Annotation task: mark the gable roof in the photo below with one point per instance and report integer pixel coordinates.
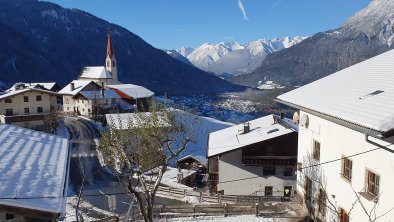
(128, 91)
(95, 72)
(261, 129)
(108, 94)
(200, 159)
(79, 85)
(16, 92)
(42, 85)
(33, 165)
(125, 121)
(361, 94)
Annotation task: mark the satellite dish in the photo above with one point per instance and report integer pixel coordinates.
(304, 122)
(296, 118)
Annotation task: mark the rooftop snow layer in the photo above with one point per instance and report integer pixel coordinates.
(233, 138)
(33, 167)
(133, 120)
(361, 94)
(78, 86)
(199, 158)
(16, 92)
(95, 72)
(108, 94)
(133, 91)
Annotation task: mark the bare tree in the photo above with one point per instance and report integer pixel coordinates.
(51, 120)
(139, 151)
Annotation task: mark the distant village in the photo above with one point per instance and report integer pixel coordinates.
(330, 162)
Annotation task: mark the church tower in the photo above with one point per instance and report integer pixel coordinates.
(110, 61)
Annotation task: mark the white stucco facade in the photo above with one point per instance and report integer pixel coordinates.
(235, 178)
(337, 142)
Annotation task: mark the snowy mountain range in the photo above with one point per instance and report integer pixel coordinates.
(234, 58)
(368, 33)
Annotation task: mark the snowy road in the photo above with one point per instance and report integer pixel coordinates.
(98, 182)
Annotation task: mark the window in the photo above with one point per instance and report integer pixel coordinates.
(25, 99)
(373, 183)
(38, 98)
(8, 100)
(268, 170)
(288, 171)
(344, 215)
(347, 168)
(268, 191)
(316, 150)
(322, 201)
(39, 109)
(27, 111)
(9, 112)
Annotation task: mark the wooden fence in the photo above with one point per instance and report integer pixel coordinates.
(189, 211)
(218, 198)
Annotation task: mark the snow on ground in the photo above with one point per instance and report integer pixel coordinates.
(62, 130)
(170, 178)
(238, 218)
(89, 212)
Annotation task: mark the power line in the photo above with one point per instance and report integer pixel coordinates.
(228, 181)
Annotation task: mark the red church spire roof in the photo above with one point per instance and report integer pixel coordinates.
(110, 50)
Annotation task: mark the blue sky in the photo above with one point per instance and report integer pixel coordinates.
(176, 23)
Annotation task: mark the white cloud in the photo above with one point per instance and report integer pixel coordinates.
(276, 4)
(242, 8)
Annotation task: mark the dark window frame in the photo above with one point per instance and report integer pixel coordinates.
(40, 109)
(26, 99)
(27, 109)
(347, 168)
(316, 150)
(38, 98)
(7, 100)
(373, 183)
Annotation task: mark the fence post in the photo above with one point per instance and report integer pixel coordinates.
(169, 191)
(200, 197)
(194, 211)
(256, 209)
(225, 210)
(184, 193)
(219, 195)
(160, 211)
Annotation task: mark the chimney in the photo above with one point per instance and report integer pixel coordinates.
(72, 85)
(246, 127)
(282, 115)
(102, 92)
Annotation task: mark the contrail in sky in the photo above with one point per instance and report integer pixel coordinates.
(242, 8)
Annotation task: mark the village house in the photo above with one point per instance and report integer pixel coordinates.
(33, 175)
(27, 105)
(72, 105)
(345, 142)
(254, 158)
(133, 94)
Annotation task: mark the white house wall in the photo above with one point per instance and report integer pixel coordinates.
(231, 169)
(336, 142)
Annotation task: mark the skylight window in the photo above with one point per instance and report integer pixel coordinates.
(374, 93)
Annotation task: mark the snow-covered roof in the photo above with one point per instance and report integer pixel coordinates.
(16, 92)
(95, 72)
(133, 91)
(133, 120)
(199, 158)
(21, 85)
(261, 129)
(79, 85)
(108, 94)
(361, 94)
(33, 169)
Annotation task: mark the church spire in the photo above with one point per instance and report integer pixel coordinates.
(110, 50)
(110, 61)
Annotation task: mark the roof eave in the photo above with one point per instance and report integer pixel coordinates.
(342, 122)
